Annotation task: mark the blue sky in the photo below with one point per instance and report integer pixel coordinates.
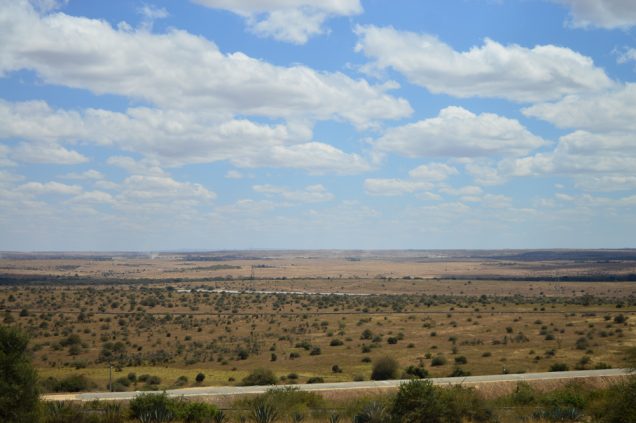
(233, 124)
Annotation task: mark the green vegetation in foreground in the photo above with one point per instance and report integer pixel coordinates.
(416, 401)
(18, 379)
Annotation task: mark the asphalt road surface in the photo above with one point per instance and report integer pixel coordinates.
(241, 390)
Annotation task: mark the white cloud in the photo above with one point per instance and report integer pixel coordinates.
(181, 71)
(310, 194)
(580, 152)
(613, 110)
(233, 174)
(512, 72)
(457, 132)
(600, 154)
(467, 190)
(293, 21)
(315, 157)
(394, 187)
(433, 172)
(601, 13)
(46, 153)
(168, 138)
(89, 174)
(139, 167)
(629, 55)
(38, 188)
(606, 182)
(93, 197)
(147, 187)
(150, 14)
(485, 173)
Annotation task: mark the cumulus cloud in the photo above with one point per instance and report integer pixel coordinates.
(38, 188)
(148, 187)
(168, 138)
(310, 194)
(394, 187)
(600, 153)
(606, 14)
(41, 152)
(580, 152)
(512, 72)
(603, 112)
(433, 172)
(180, 71)
(90, 174)
(457, 132)
(293, 21)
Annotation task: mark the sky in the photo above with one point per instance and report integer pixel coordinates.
(302, 124)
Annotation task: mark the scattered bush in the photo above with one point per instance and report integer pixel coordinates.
(260, 376)
(384, 368)
(559, 367)
(438, 361)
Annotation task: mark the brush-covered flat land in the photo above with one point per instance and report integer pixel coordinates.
(163, 319)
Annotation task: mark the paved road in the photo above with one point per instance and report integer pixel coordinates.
(240, 390)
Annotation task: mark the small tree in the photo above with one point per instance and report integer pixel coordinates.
(385, 368)
(199, 378)
(418, 401)
(18, 379)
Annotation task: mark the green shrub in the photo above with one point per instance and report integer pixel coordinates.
(420, 401)
(438, 361)
(71, 383)
(260, 376)
(153, 408)
(461, 360)
(315, 379)
(459, 372)
(618, 404)
(385, 368)
(523, 394)
(559, 367)
(196, 412)
(417, 401)
(417, 372)
(199, 378)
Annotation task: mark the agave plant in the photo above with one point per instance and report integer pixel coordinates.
(112, 413)
(264, 413)
(60, 412)
(334, 418)
(373, 412)
(297, 417)
(157, 415)
(220, 417)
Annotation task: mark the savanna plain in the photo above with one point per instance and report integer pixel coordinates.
(132, 321)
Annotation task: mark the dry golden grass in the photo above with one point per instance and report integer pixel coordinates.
(207, 329)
